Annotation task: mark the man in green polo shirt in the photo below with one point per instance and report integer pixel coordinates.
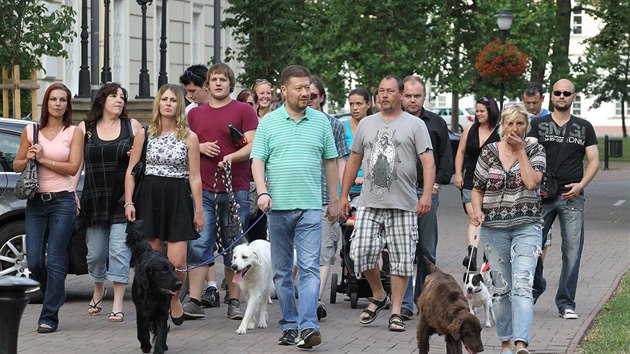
(291, 143)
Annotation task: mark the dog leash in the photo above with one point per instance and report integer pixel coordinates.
(472, 249)
(224, 251)
(226, 177)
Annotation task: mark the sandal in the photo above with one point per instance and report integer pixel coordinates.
(373, 314)
(116, 317)
(396, 323)
(93, 308)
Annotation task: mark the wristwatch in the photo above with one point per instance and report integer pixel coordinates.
(437, 187)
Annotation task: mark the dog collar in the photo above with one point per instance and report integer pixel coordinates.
(477, 291)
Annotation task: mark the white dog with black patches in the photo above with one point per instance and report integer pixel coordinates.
(478, 295)
(251, 264)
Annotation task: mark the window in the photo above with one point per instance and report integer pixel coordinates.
(577, 106)
(618, 109)
(577, 24)
(9, 144)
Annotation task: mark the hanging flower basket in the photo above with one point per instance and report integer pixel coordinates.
(501, 62)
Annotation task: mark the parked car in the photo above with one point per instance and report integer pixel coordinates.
(466, 117)
(13, 259)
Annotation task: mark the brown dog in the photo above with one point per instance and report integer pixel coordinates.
(444, 310)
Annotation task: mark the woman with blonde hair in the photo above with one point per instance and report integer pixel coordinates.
(264, 105)
(506, 208)
(172, 172)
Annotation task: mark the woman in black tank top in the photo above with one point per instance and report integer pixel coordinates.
(483, 131)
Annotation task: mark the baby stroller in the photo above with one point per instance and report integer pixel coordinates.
(352, 284)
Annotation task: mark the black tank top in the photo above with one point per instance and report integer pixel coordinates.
(472, 152)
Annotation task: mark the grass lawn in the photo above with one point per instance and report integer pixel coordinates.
(611, 329)
(625, 154)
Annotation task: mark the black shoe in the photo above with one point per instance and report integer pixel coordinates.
(406, 313)
(289, 337)
(211, 297)
(44, 329)
(321, 310)
(178, 321)
(310, 337)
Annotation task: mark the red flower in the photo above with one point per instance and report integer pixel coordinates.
(501, 62)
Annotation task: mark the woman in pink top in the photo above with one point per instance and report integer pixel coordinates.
(51, 214)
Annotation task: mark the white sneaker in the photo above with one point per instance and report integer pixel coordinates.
(568, 314)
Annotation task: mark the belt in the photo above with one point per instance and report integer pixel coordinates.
(48, 196)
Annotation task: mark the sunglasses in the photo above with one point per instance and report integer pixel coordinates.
(314, 96)
(189, 74)
(564, 93)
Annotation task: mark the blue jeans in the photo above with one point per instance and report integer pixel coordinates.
(108, 242)
(202, 249)
(49, 227)
(570, 212)
(426, 246)
(300, 230)
(512, 253)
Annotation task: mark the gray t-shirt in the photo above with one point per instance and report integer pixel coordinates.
(390, 150)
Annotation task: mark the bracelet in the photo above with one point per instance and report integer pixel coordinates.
(261, 194)
(53, 166)
(581, 185)
(127, 204)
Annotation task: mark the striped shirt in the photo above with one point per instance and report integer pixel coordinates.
(292, 152)
(506, 201)
(342, 151)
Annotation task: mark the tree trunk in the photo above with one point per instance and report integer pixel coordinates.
(560, 46)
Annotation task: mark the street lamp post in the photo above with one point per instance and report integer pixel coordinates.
(144, 72)
(504, 21)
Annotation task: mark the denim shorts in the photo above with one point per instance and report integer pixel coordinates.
(466, 196)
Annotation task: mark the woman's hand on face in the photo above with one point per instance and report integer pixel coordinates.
(514, 141)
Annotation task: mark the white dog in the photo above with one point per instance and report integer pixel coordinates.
(478, 295)
(251, 264)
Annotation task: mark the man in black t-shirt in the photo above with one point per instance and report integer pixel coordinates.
(567, 140)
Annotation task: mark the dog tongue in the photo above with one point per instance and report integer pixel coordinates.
(238, 276)
(469, 295)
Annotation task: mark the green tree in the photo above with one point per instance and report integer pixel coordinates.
(268, 34)
(605, 69)
(28, 31)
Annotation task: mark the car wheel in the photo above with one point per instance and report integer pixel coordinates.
(13, 260)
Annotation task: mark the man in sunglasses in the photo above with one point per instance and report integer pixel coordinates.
(331, 230)
(193, 80)
(533, 99)
(567, 140)
(414, 93)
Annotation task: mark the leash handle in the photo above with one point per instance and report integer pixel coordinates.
(475, 235)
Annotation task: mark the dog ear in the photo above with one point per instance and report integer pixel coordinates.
(145, 278)
(478, 277)
(455, 326)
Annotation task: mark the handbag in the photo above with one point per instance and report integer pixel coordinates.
(138, 170)
(549, 184)
(28, 183)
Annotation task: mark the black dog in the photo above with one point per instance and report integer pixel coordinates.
(153, 286)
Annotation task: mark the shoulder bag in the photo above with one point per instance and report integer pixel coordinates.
(139, 168)
(28, 183)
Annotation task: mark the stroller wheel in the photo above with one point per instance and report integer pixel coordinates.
(354, 298)
(333, 288)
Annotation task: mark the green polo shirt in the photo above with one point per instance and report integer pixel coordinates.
(293, 154)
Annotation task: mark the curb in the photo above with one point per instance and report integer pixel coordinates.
(584, 328)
